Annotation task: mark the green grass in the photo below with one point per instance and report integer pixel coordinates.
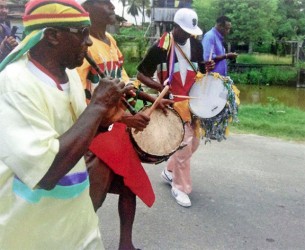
(271, 120)
(263, 59)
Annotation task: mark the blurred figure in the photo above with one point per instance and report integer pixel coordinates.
(7, 38)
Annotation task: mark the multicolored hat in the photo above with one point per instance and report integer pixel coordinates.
(41, 14)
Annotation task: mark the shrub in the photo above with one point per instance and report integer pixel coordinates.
(273, 75)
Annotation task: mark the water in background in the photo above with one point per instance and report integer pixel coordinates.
(289, 96)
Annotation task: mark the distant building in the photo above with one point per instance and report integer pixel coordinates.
(162, 15)
(172, 3)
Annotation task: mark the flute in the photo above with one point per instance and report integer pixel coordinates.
(102, 75)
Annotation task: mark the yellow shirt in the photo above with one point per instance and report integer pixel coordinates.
(108, 58)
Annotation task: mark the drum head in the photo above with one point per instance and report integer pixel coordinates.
(162, 136)
(211, 97)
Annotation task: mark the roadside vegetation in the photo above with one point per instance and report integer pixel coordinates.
(273, 120)
(133, 45)
(269, 75)
(262, 58)
(276, 72)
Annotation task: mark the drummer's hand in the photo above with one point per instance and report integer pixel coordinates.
(231, 55)
(108, 96)
(138, 121)
(209, 66)
(164, 103)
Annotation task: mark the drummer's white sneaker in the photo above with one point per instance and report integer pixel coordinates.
(181, 198)
(167, 176)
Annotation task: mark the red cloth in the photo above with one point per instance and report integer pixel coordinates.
(116, 150)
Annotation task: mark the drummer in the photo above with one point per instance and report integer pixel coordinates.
(113, 164)
(213, 41)
(179, 69)
(213, 47)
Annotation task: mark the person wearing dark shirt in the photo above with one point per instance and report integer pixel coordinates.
(178, 58)
(7, 39)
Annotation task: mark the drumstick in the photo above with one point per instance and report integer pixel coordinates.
(211, 52)
(210, 57)
(186, 97)
(156, 102)
(207, 72)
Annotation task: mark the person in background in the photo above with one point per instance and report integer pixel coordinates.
(7, 39)
(46, 128)
(212, 43)
(213, 47)
(113, 164)
(177, 57)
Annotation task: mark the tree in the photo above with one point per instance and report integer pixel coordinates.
(145, 6)
(252, 20)
(124, 3)
(207, 11)
(291, 19)
(134, 10)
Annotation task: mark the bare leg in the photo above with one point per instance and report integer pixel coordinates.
(127, 210)
(103, 181)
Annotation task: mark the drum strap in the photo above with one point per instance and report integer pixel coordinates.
(186, 58)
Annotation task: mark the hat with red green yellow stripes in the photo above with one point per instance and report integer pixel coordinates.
(41, 14)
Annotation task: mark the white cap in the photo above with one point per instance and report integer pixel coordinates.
(187, 19)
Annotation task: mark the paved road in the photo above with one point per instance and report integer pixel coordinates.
(248, 193)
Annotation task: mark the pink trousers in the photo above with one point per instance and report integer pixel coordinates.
(180, 162)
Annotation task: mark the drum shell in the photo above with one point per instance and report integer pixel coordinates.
(147, 156)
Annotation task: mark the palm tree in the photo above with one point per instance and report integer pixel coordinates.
(134, 10)
(124, 3)
(145, 5)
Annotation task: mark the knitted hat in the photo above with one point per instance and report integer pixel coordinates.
(40, 14)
